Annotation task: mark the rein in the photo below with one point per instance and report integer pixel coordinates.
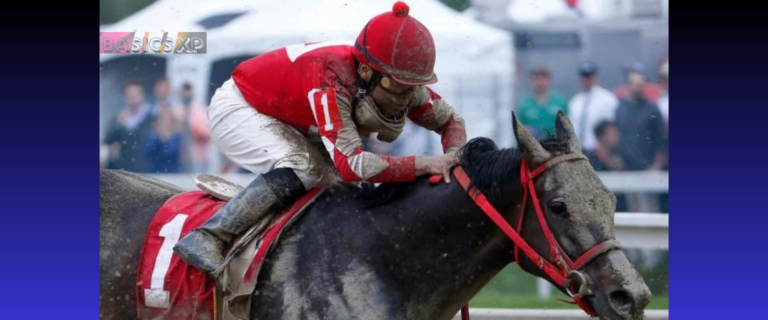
(564, 270)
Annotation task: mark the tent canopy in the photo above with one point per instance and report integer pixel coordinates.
(280, 23)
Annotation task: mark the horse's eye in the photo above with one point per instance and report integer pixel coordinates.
(559, 208)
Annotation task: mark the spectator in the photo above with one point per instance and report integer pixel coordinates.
(196, 137)
(664, 100)
(641, 128)
(163, 145)
(651, 92)
(605, 156)
(593, 105)
(538, 111)
(129, 131)
(664, 108)
(162, 92)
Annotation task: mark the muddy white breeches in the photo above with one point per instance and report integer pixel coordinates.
(260, 143)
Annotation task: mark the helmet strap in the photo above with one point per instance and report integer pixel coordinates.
(366, 87)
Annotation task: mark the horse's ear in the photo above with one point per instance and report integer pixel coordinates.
(565, 132)
(531, 149)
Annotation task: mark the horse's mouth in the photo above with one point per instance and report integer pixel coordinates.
(639, 316)
(605, 312)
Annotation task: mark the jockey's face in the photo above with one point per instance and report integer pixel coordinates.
(396, 88)
(391, 97)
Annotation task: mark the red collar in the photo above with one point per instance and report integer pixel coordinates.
(563, 270)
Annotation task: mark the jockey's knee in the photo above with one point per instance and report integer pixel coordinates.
(310, 166)
(310, 178)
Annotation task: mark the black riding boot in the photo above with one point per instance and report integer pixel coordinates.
(202, 248)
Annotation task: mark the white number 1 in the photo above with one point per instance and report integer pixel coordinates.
(155, 296)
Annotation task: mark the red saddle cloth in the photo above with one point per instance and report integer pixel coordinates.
(169, 288)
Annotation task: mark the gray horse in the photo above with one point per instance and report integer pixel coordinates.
(400, 251)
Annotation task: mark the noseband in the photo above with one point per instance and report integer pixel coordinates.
(563, 270)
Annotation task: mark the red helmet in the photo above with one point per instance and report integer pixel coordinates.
(398, 46)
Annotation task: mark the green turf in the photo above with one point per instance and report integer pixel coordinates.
(513, 288)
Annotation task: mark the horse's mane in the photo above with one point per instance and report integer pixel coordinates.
(492, 170)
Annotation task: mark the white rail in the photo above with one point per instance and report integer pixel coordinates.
(642, 230)
(624, 181)
(636, 181)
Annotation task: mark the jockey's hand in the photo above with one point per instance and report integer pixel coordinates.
(430, 165)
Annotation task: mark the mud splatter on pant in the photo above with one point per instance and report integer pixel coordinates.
(260, 143)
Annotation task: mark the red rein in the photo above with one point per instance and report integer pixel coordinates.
(563, 265)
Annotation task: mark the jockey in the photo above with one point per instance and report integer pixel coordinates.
(296, 116)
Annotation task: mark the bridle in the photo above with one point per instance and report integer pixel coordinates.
(564, 269)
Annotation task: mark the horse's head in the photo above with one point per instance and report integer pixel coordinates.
(579, 210)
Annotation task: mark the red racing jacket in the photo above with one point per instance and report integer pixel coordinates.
(312, 87)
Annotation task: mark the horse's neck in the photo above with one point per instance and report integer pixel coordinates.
(446, 247)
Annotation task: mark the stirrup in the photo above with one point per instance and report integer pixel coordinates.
(217, 186)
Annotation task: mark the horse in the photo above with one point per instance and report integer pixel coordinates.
(403, 250)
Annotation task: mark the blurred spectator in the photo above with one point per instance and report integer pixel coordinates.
(128, 132)
(605, 156)
(641, 128)
(163, 101)
(664, 100)
(664, 108)
(162, 95)
(650, 91)
(538, 111)
(196, 137)
(163, 145)
(591, 106)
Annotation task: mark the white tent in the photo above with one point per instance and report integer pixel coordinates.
(176, 15)
(475, 62)
(526, 11)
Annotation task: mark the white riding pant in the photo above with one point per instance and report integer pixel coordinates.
(260, 143)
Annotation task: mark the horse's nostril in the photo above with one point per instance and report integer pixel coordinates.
(620, 300)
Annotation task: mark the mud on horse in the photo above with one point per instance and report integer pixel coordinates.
(564, 270)
(417, 250)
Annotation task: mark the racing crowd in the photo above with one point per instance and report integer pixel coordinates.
(623, 128)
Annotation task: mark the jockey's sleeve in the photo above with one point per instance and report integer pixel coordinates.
(432, 112)
(333, 114)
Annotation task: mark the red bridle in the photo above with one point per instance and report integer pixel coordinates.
(563, 269)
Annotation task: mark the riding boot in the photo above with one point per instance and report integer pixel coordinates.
(202, 248)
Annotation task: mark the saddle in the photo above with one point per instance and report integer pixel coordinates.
(168, 288)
